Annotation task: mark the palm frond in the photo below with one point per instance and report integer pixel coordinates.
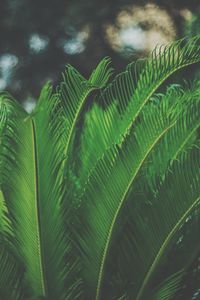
(168, 288)
(182, 136)
(190, 283)
(73, 93)
(34, 195)
(132, 89)
(109, 186)
(10, 268)
(94, 130)
(146, 242)
(5, 224)
(12, 274)
(9, 110)
(126, 96)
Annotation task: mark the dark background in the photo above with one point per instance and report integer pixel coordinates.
(38, 38)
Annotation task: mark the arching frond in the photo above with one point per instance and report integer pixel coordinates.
(33, 196)
(126, 96)
(147, 241)
(182, 136)
(73, 93)
(132, 89)
(109, 186)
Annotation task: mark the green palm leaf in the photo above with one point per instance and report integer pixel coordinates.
(5, 226)
(73, 93)
(33, 198)
(168, 288)
(11, 275)
(111, 183)
(181, 136)
(126, 96)
(8, 111)
(132, 89)
(10, 268)
(180, 193)
(149, 240)
(190, 283)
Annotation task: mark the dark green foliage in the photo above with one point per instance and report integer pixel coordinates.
(100, 186)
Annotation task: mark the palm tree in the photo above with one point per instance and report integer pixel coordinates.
(100, 185)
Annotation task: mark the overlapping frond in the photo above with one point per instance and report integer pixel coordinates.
(182, 136)
(132, 89)
(33, 197)
(11, 269)
(5, 224)
(133, 157)
(109, 186)
(168, 288)
(100, 130)
(178, 197)
(9, 113)
(11, 275)
(73, 93)
(154, 228)
(126, 96)
(190, 283)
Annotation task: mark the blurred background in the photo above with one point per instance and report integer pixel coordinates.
(38, 38)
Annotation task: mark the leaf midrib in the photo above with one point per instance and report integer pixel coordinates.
(108, 240)
(185, 142)
(164, 246)
(37, 208)
(71, 132)
(145, 99)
